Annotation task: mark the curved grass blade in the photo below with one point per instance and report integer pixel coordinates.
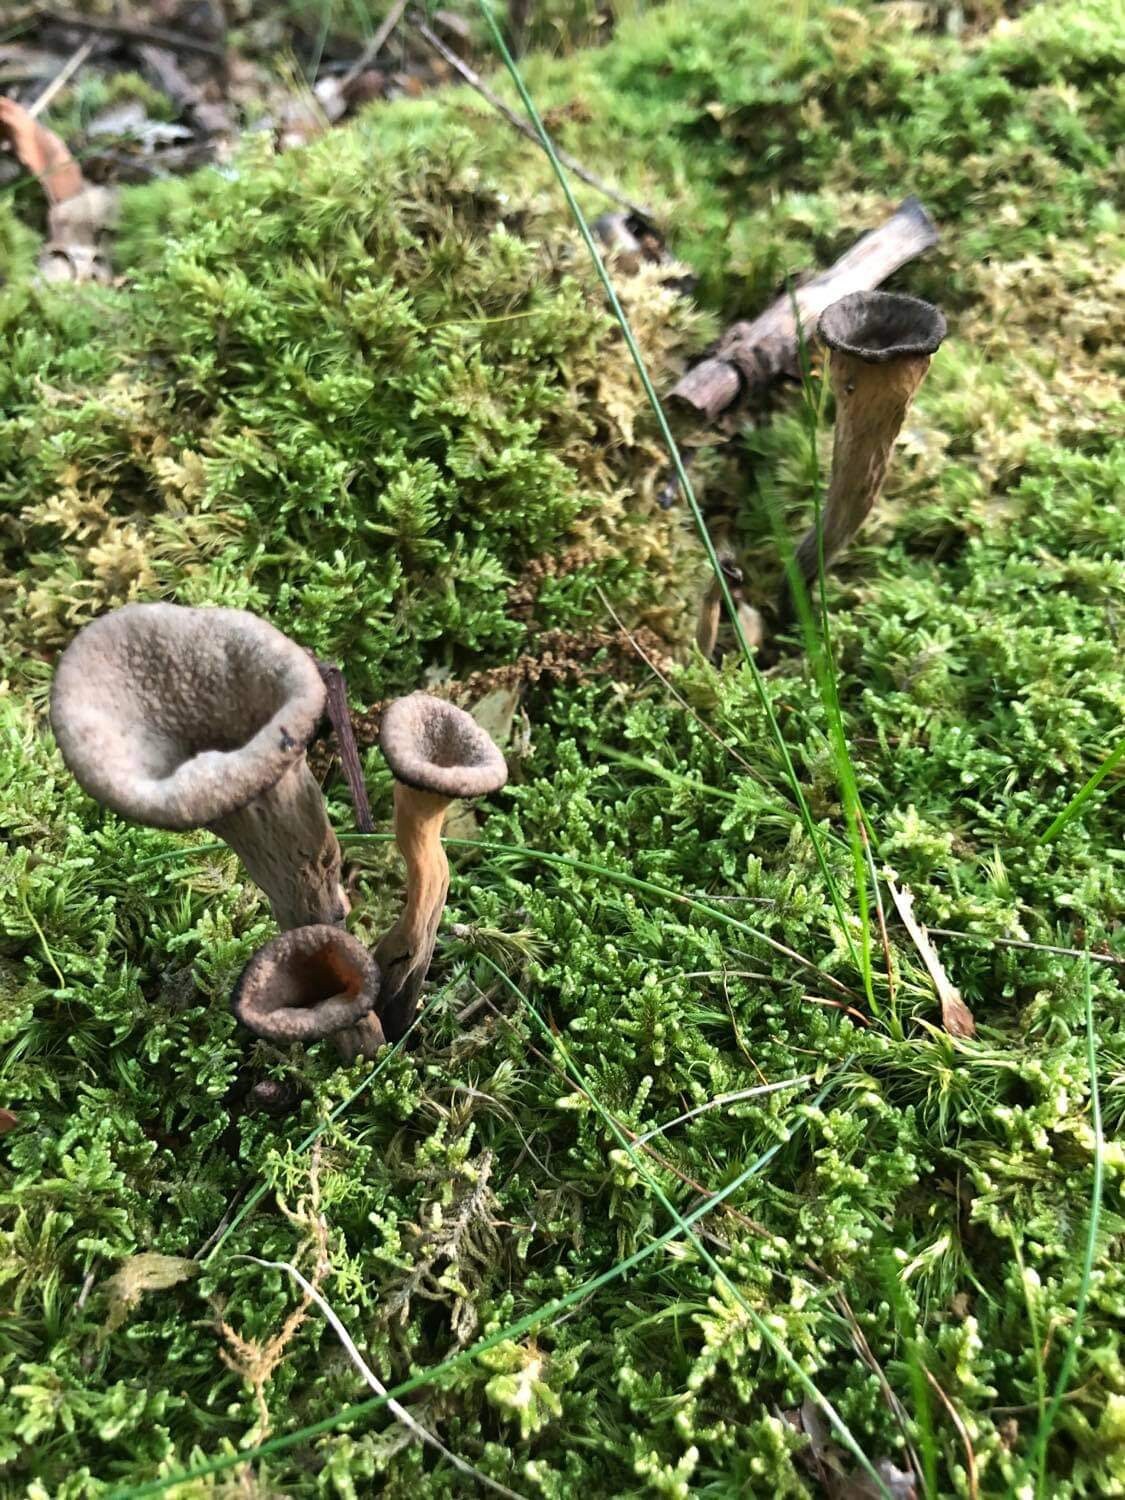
(763, 1329)
(686, 487)
(526, 1324)
(1037, 1458)
(1076, 804)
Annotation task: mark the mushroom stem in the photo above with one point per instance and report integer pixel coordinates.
(308, 983)
(405, 953)
(438, 753)
(880, 345)
(289, 850)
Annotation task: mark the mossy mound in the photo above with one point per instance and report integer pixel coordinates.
(361, 389)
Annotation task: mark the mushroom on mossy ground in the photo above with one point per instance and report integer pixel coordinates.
(309, 983)
(880, 346)
(438, 753)
(199, 718)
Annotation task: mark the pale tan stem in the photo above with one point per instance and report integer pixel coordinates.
(871, 404)
(284, 840)
(404, 954)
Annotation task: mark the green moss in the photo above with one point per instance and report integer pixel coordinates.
(285, 408)
(361, 397)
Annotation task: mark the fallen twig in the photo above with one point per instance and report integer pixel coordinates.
(211, 117)
(865, 1352)
(750, 355)
(962, 1432)
(374, 46)
(987, 941)
(956, 1016)
(882, 916)
(159, 36)
(474, 80)
(719, 1100)
(60, 80)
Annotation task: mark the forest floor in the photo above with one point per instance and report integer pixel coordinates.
(680, 1185)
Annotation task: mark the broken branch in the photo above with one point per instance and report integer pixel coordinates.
(750, 355)
(159, 36)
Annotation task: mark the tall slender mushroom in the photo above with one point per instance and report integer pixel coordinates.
(199, 718)
(308, 983)
(438, 753)
(880, 344)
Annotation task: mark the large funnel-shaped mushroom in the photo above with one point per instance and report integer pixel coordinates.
(438, 753)
(312, 982)
(880, 344)
(198, 718)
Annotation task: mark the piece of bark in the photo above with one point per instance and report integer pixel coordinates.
(750, 355)
(956, 1016)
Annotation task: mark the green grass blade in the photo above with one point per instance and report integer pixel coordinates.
(314, 1135)
(526, 1324)
(799, 1374)
(1037, 1459)
(1075, 805)
(586, 867)
(686, 487)
(818, 645)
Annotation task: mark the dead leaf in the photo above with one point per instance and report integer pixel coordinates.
(8, 1121)
(956, 1016)
(495, 713)
(148, 1272)
(76, 212)
(41, 152)
(826, 1460)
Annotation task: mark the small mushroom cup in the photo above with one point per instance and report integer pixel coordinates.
(308, 983)
(199, 718)
(438, 754)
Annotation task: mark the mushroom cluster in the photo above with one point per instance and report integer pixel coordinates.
(188, 718)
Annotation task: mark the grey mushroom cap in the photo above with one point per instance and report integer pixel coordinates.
(436, 747)
(306, 984)
(176, 717)
(879, 327)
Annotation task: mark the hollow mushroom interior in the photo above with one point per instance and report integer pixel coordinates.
(177, 716)
(880, 326)
(307, 980)
(436, 747)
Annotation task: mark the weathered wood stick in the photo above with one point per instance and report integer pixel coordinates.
(749, 355)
